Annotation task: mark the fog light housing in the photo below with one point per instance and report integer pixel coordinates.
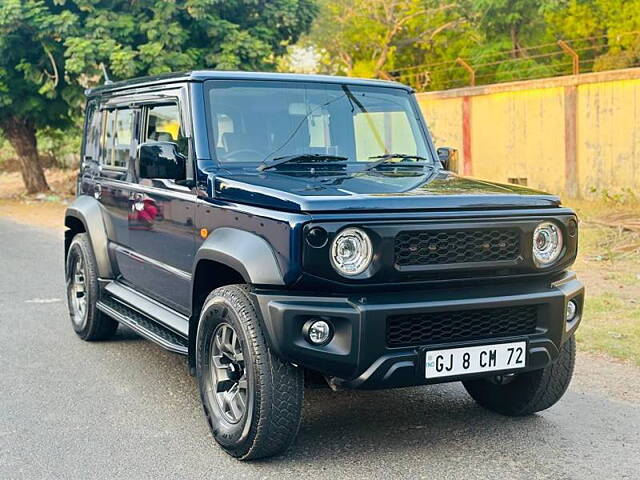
(572, 311)
(318, 331)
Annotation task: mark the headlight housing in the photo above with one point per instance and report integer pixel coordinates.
(547, 244)
(351, 252)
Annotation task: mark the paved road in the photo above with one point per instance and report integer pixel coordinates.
(127, 409)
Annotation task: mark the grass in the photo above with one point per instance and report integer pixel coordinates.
(611, 325)
(609, 265)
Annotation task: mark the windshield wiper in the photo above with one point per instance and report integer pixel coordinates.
(382, 159)
(309, 157)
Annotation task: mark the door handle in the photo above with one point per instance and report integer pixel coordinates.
(97, 191)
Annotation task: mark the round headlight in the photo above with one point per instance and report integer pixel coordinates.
(351, 252)
(547, 244)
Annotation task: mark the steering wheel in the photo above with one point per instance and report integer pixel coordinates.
(243, 151)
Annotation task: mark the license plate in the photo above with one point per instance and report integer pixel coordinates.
(466, 360)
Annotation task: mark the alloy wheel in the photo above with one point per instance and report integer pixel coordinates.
(229, 376)
(78, 291)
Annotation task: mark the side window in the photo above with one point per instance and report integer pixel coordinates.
(117, 136)
(164, 125)
(92, 131)
(123, 137)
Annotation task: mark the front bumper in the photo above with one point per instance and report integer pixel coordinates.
(358, 356)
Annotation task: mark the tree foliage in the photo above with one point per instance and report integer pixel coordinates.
(34, 91)
(610, 27)
(51, 49)
(373, 37)
(394, 38)
(152, 37)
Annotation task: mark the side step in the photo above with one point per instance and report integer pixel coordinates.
(142, 324)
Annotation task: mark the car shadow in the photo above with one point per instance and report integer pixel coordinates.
(351, 424)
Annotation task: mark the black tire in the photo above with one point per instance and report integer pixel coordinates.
(274, 389)
(89, 323)
(529, 392)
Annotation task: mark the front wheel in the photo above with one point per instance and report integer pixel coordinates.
(252, 400)
(526, 393)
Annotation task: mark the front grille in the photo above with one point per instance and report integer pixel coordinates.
(432, 247)
(442, 327)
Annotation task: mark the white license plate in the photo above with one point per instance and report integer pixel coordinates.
(485, 358)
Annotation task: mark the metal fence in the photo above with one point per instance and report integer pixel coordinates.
(563, 57)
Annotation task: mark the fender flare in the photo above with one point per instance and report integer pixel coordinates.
(89, 211)
(247, 253)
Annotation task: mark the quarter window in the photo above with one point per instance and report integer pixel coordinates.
(92, 131)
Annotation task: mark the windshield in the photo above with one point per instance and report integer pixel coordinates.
(264, 122)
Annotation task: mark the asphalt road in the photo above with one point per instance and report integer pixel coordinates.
(128, 409)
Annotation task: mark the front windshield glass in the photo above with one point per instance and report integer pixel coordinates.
(263, 121)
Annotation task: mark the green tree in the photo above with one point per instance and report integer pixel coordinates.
(34, 92)
(604, 30)
(49, 49)
(153, 36)
(372, 38)
(508, 22)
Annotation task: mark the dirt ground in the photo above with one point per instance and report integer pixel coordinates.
(608, 262)
(61, 182)
(46, 210)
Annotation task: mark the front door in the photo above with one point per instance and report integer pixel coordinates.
(161, 218)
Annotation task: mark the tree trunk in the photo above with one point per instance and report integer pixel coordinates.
(516, 48)
(21, 134)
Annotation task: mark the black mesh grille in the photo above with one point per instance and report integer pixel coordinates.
(441, 327)
(428, 247)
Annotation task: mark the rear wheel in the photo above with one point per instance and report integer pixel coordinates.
(82, 292)
(252, 400)
(529, 392)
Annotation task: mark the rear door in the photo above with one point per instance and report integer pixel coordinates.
(111, 183)
(162, 212)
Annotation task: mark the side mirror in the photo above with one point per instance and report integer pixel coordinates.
(449, 158)
(161, 160)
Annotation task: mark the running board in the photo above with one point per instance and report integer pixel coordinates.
(142, 324)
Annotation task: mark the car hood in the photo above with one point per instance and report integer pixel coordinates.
(430, 189)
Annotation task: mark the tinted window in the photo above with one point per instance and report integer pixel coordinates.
(117, 137)
(164, 125)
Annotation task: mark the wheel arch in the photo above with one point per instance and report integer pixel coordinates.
(84, 215)
(229, 256)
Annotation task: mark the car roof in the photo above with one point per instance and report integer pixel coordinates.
(203, 75)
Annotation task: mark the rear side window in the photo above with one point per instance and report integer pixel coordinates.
(92, 132)
(117, 136)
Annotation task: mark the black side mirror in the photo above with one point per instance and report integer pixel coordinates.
(449, 158)
(161, 160)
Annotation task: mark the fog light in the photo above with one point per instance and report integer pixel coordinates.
(317, 331)
(572, 310)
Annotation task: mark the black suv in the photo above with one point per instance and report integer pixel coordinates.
(283, 230)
